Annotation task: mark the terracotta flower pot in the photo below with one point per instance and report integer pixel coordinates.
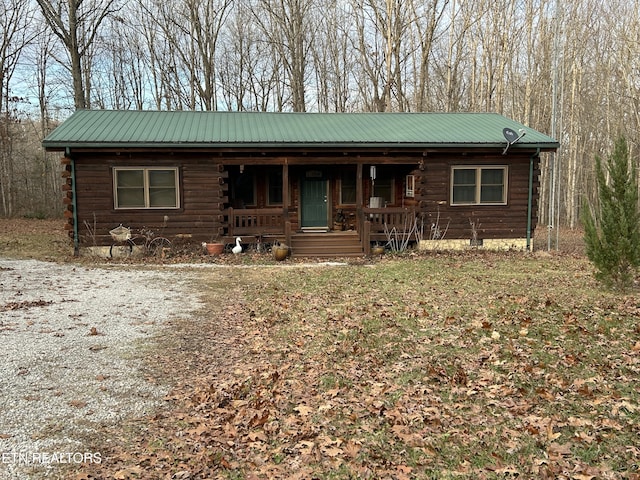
(214, 248)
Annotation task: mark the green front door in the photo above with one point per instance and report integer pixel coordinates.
(313, 200)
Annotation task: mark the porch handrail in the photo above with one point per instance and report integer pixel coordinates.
(389, 216)
(256, 221)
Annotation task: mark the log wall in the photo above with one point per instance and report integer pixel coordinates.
(433, 186)
(204, 193)
(203, 198)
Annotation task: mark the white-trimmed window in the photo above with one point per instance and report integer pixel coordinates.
(410, 186)
(136, 187)
(479, 185)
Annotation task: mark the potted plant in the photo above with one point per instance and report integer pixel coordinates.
(280, 251)
(214, 246)
(377, 249)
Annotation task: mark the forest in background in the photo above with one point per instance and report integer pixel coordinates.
(568, 69)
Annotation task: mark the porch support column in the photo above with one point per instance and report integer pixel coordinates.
(285, 201)
(359, 192)
(359, 199)
(362, 225)
(285, 189)
(532, 158)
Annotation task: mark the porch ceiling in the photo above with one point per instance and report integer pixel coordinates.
(108, 129)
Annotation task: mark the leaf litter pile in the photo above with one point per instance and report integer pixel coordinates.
(460, 366)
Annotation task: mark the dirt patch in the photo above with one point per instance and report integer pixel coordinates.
(32, 238)
(213, 343)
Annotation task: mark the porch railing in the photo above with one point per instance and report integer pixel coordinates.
(372, 224)
(377, 221)
(256, 221)
(398, 217)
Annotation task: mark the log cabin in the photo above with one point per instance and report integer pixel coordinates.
(326, 184)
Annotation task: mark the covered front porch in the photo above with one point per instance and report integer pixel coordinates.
(319, 209)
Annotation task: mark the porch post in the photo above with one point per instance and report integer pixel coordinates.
(285, 201)
(530, 198)
(363, 231)
(285, 189)
(359, 192)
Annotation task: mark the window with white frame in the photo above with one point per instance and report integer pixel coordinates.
(410, 186)
(479, 185)
(136, 187)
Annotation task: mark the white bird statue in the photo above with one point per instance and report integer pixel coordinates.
(238, 248)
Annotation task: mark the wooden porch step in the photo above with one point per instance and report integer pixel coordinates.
(329, 244)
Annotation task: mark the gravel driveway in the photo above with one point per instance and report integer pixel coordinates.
(70, 350)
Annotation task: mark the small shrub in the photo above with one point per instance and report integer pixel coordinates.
(612, 226)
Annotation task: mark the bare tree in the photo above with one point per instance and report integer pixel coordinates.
(122, 61)
(160, 61)
(249, 75)
(183, 38)
(77, 23)
(332, 60)
(457, 59)
(381, 28)
(15, 18)
(237, 61)
(289, 31)
(202, 21)
(427, 19)
(47, 165)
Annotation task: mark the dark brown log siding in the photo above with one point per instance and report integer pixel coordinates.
(204, 193)
(202, 188)
(492, 221)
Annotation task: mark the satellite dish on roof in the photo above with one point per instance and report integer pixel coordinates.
(512, 137)
(509, 134)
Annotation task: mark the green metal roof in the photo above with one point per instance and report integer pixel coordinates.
(186, 129)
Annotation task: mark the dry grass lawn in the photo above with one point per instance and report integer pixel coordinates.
(475, 365)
